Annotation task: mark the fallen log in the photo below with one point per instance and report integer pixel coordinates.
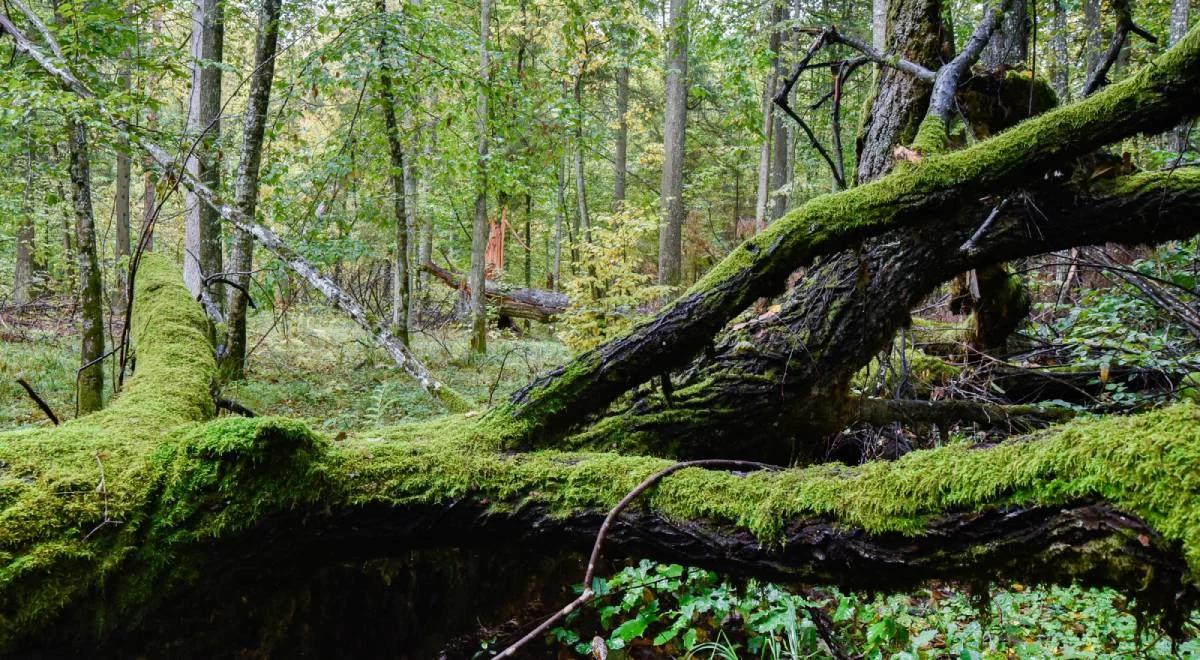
(114, 515)
(538, 305)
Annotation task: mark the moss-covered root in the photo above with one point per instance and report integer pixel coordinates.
(1153, 99)
(72, 497)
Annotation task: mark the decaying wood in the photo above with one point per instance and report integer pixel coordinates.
(539, 305)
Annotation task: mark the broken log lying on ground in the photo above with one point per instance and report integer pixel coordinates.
(115, 514)
(538, 305)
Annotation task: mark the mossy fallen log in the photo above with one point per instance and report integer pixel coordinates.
(109, 516)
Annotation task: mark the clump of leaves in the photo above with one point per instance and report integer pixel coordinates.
(614, 288)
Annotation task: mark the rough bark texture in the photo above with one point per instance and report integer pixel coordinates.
(1180, 19)
(91, 302)
(895, 111)
(202, 235)
(1062, 57)
(670, 234)
(790, 371)
(1009, 46)
(241, 259)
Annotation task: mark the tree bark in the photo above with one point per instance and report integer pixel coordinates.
(621, 146)
(90, 395)
(241, 259)
(1180, 18)
(774, 17)
(202, 236)
(670, 235)
(580, 175)
(1009, 45)
(122, 183)
(1062, 57)
(396, 174)
(895, 110)
(24, 265)
(479, 234)
(790, 371)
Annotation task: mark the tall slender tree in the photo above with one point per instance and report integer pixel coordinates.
(396, 175)
(91, 347)
(202, 233)
(670, 236)
(479, 235)
(1180, 18)
(241, 259)
(774, 17)
(621, 141)
(25, 262)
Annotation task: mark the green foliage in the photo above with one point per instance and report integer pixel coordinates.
(617, 288)
(695, 614)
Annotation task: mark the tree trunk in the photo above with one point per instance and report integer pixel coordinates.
(560, 219)
(528, 303)
(396, 174)
(774, 17)
(1062, 57)
(1009, 45)
(790, 371)
(122, 183)
(241, 259)
(879, 14)
(580, 175)
(24, 265)
(620, 151)
(90, 396)
(479, 235)
(670, 236)
(895, 111)
(1094, 39)
(1180, 18)
(202, 236)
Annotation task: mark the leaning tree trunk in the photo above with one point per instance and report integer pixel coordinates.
(85, 566)
(241, 259)
(1149, 101)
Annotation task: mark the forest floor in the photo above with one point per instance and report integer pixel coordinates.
(317, 367)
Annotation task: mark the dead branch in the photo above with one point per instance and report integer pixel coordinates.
(41, 403)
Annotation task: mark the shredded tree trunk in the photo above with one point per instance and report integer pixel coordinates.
(533, 304)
